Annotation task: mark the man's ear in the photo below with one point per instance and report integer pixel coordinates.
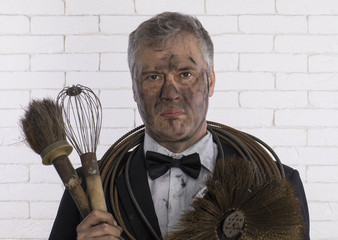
(212, 79)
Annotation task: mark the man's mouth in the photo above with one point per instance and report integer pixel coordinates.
(172, 113)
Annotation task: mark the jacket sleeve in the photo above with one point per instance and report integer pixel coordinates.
(293, 176)
(67, 219)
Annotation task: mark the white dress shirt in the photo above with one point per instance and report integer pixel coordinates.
(173, 192)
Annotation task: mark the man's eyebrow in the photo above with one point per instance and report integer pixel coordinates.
(149, 72)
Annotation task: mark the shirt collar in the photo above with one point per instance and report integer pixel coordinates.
(205, 147)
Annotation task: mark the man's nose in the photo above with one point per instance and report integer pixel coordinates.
(170, 90)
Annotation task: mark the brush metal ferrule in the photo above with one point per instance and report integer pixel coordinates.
(54, 150)
(89, 164)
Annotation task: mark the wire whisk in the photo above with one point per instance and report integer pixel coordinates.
(82, 116)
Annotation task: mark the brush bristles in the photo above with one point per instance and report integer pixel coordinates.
(271, 210)
(42, 124)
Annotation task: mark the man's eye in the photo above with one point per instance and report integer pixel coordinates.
(185, 74)
(154, 77)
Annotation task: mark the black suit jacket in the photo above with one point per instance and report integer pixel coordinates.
(68, 216)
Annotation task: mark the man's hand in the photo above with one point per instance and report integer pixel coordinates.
(98, 225)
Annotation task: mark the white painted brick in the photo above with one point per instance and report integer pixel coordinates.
(18, 154)
(241, 118)
(117, 99)
(280, 137)
(43, 174)
(225, 24)
(14, 173)
(31, 44)
(305, 81)
(25, 229)
(323, 24)
(10, 135)
(324, 99)
(273, 24)
(155, 7)
(118, 118)
(240, 7)
(273, 99)
(224, 100)
(323, 63)
(308, 155)
(120, 24)
(96, 43)
(65, 25)
(322, 174)
(110, 135)
(31, 80)
(102, 149)
(99, 7)
(321, 192)
(14, 24)
(323, 137)
(324, 230)
(273, 62)
(42, 93)
(31, 192)
(234, 43)
(18, 62)
(307, 7)
(70, 62)
(138, 119)
(114, 62)
(28, 7)
(18, 100)
(43, 210)
(306, 44)
(14, 210)
(226, 62)
(306, 117)
(244, 81)
(323, 211)
(105, 80)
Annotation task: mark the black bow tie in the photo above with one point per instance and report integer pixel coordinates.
(158, 164)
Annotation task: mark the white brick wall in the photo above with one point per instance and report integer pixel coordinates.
(276, 65)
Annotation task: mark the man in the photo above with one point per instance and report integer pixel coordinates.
(171, 62)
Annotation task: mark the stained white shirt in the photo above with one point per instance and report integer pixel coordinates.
(173, 192)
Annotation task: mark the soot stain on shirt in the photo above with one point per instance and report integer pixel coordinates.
(166, 203)
(183, 183)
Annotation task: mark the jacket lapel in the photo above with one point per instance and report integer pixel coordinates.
(140, 188)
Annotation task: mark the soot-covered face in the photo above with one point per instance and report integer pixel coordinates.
(172, 88)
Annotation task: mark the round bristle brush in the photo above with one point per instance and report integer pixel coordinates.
(43, 128)
(82, 114)
(234, 207)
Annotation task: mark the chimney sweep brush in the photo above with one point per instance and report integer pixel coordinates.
(43, 128)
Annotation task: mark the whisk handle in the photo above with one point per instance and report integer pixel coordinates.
(93, 180)
(72, 182)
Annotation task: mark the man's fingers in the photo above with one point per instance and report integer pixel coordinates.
(98, 224)
(101, 230)
(97, 217)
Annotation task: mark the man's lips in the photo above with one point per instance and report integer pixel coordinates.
(172, 113)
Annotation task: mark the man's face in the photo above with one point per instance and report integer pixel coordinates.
(172, 89)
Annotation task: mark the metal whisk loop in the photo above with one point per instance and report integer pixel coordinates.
(82, 114)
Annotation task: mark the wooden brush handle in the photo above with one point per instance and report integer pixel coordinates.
(93, 181)
(72, 183)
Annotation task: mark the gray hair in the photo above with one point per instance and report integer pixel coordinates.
(158, 29)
